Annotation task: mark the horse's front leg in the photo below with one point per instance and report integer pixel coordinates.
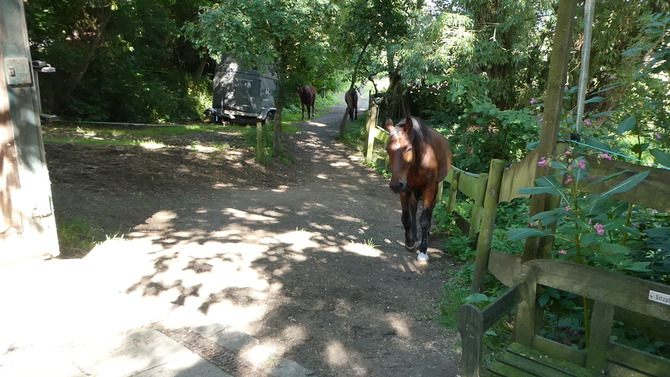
(429, 200)
(408, 204)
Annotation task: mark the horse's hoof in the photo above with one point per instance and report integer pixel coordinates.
(413, 247)
(423, 257)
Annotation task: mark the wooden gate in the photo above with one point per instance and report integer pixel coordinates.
(27, 223)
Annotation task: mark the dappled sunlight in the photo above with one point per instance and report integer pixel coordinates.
(362, 250)
(298, 240)
(336, 354)
(151, 145)
(247, 216)
(338, 357)
(340, 164)
(281, 188)
(399, 325)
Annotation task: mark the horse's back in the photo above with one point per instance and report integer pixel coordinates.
(442, 150)
(307, 94)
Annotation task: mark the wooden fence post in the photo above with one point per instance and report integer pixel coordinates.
(478, 206)
(259, 141)
(453, 189)
(491, 198)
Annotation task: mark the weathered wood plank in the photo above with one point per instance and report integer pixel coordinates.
(641, 361)
(520, 174)
(501, 307)
(653, 192)
(473, 185)
(504, 266)
(536, 364)
(601, 329)
(631, 293)
(471, 327)
(561, 366)
(560, 351)
(499, 368)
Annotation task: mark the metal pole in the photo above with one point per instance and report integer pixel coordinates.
(589, 6)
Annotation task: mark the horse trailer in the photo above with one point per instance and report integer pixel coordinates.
(242, 96)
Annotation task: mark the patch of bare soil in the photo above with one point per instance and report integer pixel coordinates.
(305, 256)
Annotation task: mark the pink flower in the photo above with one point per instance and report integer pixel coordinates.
(659, 136)
(568, 180)
(582, 164)
(567, 208)
(587, 122)
(600, 229)
(534, 224)
(543, 162)
(533, 101)
(568, 152)
(562, 252)
(605, 156)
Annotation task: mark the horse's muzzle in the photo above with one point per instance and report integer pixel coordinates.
(398, 187)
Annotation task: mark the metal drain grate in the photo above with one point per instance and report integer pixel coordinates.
(220, 356)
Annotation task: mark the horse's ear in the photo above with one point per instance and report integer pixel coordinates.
(408, 125)
(389, 125)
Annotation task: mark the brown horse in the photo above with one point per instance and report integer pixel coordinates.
(420, 158)
(307, 94)
(351, 98)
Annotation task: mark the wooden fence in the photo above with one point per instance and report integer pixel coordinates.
(501, 184)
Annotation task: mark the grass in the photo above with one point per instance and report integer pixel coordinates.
(76, 237)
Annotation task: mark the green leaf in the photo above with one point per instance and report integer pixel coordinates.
(595, 99)
(611, 249)
(639, 148)
(658, 232)
(626, 185)
(661, 158)
(607, 178)
(477, 298)
(523, 233)
(615, 224)
(638, 267)
(559, 165)
(543, 300)
(627, 125)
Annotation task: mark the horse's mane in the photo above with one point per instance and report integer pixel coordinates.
(419, 131)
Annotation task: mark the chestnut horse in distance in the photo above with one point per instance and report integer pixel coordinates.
(307, 94)
(420, 159)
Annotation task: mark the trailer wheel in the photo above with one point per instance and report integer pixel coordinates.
(269, 117)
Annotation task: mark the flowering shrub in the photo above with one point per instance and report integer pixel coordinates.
(588, 228)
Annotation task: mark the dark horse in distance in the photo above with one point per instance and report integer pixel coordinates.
(420, 159)
(351, 98)
(307, 94)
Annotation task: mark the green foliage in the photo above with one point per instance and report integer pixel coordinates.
(116, 61)
(590, 228)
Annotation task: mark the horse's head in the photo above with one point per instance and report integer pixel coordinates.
(401, 152)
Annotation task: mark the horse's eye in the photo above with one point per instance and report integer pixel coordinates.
(409, 149)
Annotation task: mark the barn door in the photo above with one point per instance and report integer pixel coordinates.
(27, 223)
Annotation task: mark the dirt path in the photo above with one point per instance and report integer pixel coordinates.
(311, 266)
